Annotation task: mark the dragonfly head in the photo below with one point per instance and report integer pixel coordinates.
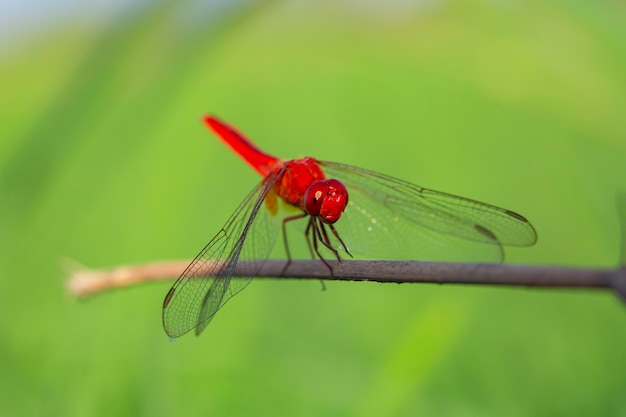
(326, 199)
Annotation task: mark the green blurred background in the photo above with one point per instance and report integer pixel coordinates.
(104, 160)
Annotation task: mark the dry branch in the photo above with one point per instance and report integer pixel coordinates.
(87, 282)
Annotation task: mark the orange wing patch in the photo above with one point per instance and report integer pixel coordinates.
(271, 202)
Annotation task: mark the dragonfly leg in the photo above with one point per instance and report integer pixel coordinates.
(307, 234)
(326, 240)
(332, 228)
(317, 237)
(287, 252)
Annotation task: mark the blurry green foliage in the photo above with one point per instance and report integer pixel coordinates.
(103, 159)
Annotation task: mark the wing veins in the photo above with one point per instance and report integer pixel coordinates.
(469, 215)
(216, 275)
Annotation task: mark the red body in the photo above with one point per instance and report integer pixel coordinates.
(257, 159)
(301, 183)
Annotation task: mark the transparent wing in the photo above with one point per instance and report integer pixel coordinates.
(208, 282)
(393, 219)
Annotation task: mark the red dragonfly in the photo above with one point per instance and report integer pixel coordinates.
(343, 209)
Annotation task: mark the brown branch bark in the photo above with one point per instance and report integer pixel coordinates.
(87, 282)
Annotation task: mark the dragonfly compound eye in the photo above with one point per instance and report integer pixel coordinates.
(314, 197)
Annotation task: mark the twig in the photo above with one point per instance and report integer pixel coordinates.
(87, 282)
(84, 282)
